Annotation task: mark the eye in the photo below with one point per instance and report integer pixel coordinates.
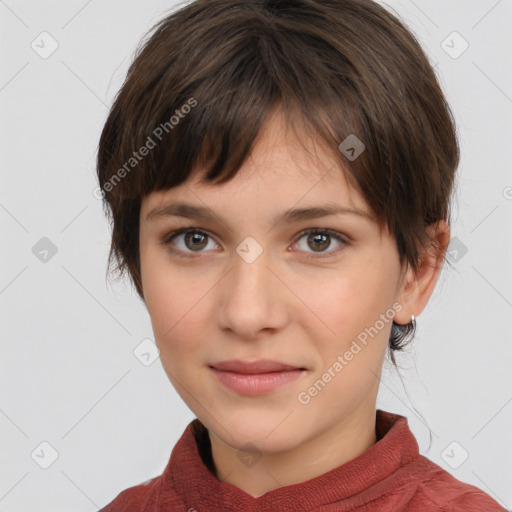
(194, 240)
(319, 240)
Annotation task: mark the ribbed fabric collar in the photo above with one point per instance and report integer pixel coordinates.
(355, 482)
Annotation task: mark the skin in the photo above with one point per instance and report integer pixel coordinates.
(286, 305)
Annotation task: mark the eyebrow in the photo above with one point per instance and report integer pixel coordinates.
(190, 211)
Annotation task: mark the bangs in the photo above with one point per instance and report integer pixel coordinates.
(212, 122)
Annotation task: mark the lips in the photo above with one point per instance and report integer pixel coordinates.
(256, 377)
(254, 367)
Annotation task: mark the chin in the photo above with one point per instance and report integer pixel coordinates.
(268, 432)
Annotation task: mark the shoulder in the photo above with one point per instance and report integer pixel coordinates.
(131, 497)
(448, 494)
(160, 492)
(136, 497)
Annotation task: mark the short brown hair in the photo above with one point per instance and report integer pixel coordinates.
(213, 70)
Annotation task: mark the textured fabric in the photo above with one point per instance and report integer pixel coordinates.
(391, 476)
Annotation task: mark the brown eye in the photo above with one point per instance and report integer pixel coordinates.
(319, 241)
(195, 240)
(188, 241)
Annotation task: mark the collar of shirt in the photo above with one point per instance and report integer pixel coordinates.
(378, 470)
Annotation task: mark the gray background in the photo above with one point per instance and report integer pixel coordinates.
(69, 376)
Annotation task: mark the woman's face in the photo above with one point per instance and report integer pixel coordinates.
(256, 287)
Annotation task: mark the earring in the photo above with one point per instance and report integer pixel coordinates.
(412, 323)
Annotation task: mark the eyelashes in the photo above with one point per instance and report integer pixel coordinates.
(323, 236)
(317, 236)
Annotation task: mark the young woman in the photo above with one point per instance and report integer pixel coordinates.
(279, 177)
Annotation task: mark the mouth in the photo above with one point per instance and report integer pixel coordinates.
(256, 377)
(254, 367)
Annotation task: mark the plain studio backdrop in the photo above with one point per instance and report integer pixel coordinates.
(83, 413)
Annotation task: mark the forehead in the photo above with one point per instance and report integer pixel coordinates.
(286, 168)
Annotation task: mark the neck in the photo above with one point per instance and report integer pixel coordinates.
(316, 456)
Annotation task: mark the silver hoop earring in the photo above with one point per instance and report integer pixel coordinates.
(413, 321)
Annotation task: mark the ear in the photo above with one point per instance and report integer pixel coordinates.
(417, 287)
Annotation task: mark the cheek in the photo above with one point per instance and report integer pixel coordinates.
(346, 309)
(176, 307)
(164, 291)
(350, 352)
(352, 296)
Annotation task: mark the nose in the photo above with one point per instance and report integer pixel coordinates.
(252, 299)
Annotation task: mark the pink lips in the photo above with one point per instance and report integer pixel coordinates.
(254, 378)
